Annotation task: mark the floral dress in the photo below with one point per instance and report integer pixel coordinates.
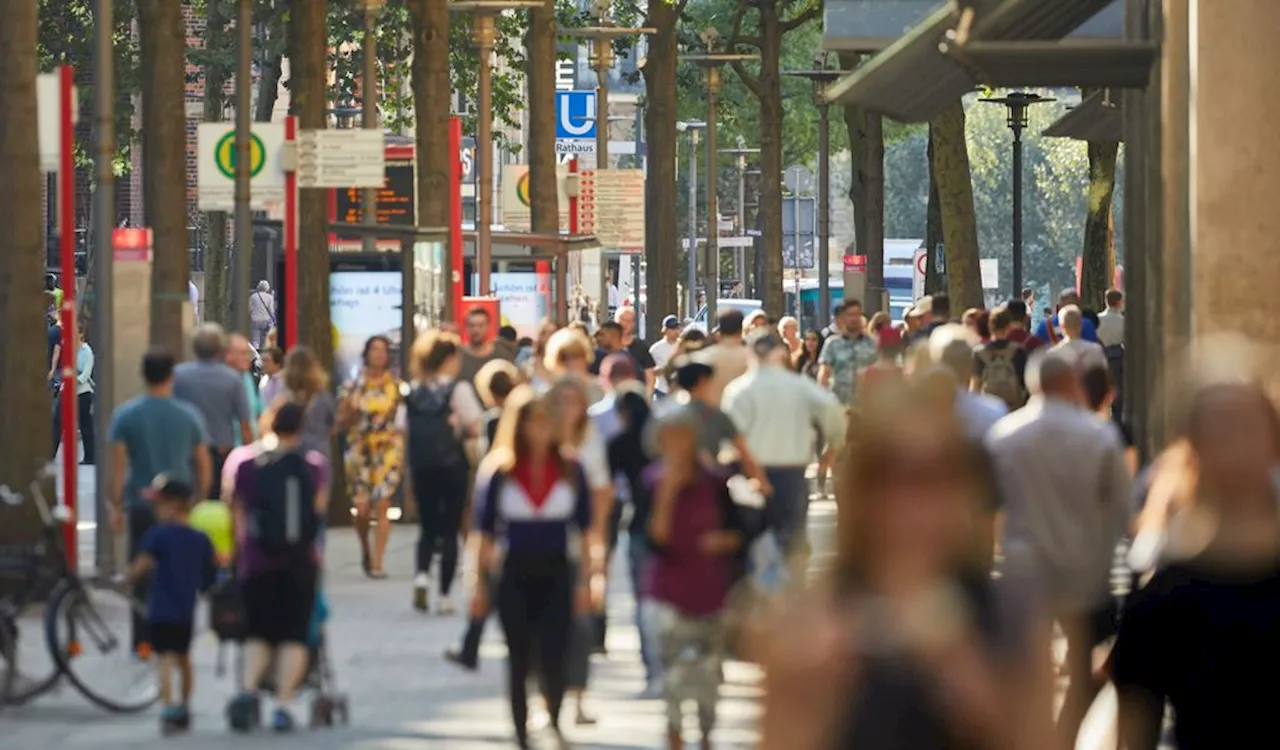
(374, 457)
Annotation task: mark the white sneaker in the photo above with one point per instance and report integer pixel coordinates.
(421, 593)
(446, 605)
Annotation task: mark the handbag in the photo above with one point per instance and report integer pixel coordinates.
(228, 617)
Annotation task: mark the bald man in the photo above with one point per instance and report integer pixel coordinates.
(218, 394)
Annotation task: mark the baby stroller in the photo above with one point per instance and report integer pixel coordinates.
(328, 706)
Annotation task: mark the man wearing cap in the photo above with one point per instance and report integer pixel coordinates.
(776, 410)
(662, 350)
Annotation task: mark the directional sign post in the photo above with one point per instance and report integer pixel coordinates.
(611, 206)
(341, 158)
(216, 165)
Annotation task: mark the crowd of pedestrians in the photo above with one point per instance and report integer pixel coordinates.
(982, 480)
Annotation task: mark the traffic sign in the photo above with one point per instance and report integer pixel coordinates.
(575, 115)
(611, 206)
(216, 172)
(917, 278)
(49, 119)
(341, 158)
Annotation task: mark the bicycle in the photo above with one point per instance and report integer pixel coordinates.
(81, 620)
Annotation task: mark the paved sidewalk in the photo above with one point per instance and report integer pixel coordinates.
(403, 695)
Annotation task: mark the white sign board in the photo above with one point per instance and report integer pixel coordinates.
(341, 158)
(515, 197)
(49, 119)
(611, 206)
(990, 268)
(575, 147)
(917, 273)
(216, 166)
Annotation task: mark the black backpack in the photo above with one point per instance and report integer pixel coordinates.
(433, 442)
(283, 521)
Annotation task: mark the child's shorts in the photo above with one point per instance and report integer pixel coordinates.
(171, 637)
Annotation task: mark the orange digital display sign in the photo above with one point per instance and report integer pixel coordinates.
(397, 202)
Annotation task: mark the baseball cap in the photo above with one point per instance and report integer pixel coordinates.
(167, 487)
(890, 337)
(764, 342)
(670, 322)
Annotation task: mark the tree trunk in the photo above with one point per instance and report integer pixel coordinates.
(217, 305)
(268, 88)
(955, 200)
(866, 188)
(1098, 258)
(933, 228)
(164, 164)
(24, 397)
(430, 76)
(540, 69)
(661, 245)
(308, 76)
(770, 96)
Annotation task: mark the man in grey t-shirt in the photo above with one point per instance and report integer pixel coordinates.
(218, 393)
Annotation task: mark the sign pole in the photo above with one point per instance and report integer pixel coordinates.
(68, 399)
(453, 265)
(104, 268)
(563, 294)
(291, 242)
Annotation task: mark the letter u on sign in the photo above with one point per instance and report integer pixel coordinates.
(575, 114)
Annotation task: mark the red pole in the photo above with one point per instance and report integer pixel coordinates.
(455, 218)
(573, 201)
(563, 294)
(290, 243)
(70, 338)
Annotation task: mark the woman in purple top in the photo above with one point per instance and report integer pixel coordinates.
(695, 541)
(277, 563)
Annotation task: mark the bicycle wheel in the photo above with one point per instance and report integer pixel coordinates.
(89, 631)
(26, 667)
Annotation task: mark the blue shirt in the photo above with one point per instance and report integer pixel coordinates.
(161, 435)
(184, 566)
(505, 512)
(1088, 331)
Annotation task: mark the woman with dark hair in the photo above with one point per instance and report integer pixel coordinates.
(442, 414)
(532, 501)
(370, 412)
(806, 357)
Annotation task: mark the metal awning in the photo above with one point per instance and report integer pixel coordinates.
(1068, 63)
(512, 245)
(1097, 118)
(919, 75)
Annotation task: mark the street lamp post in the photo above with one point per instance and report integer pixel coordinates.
(691, 290)
(740, 155)
(1017, 102)
(369, 112)
(602, 37)
(711, 62)
(484, 29)
(821, 77)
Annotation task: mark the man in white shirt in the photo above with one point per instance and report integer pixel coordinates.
(776, 409)
(1085, 355)
(1111, 320)
(662, 350)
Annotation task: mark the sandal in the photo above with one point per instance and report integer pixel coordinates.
(378, 575)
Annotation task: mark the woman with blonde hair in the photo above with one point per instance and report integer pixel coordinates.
(569, 353)
(304, 381)
(442, 413)
(899, 649)
(533, 502)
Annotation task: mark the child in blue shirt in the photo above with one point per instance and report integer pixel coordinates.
(181, 563)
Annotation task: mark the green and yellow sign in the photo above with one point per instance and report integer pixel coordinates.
(224, 155)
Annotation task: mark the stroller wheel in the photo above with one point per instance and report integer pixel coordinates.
(321, 712)
(340, 709)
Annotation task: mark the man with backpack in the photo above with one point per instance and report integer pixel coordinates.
(280, 491)
(999, 366)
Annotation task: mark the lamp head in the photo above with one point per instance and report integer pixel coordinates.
(710, 36)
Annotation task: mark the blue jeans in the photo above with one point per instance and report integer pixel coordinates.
(787, 509)
(638, 553)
